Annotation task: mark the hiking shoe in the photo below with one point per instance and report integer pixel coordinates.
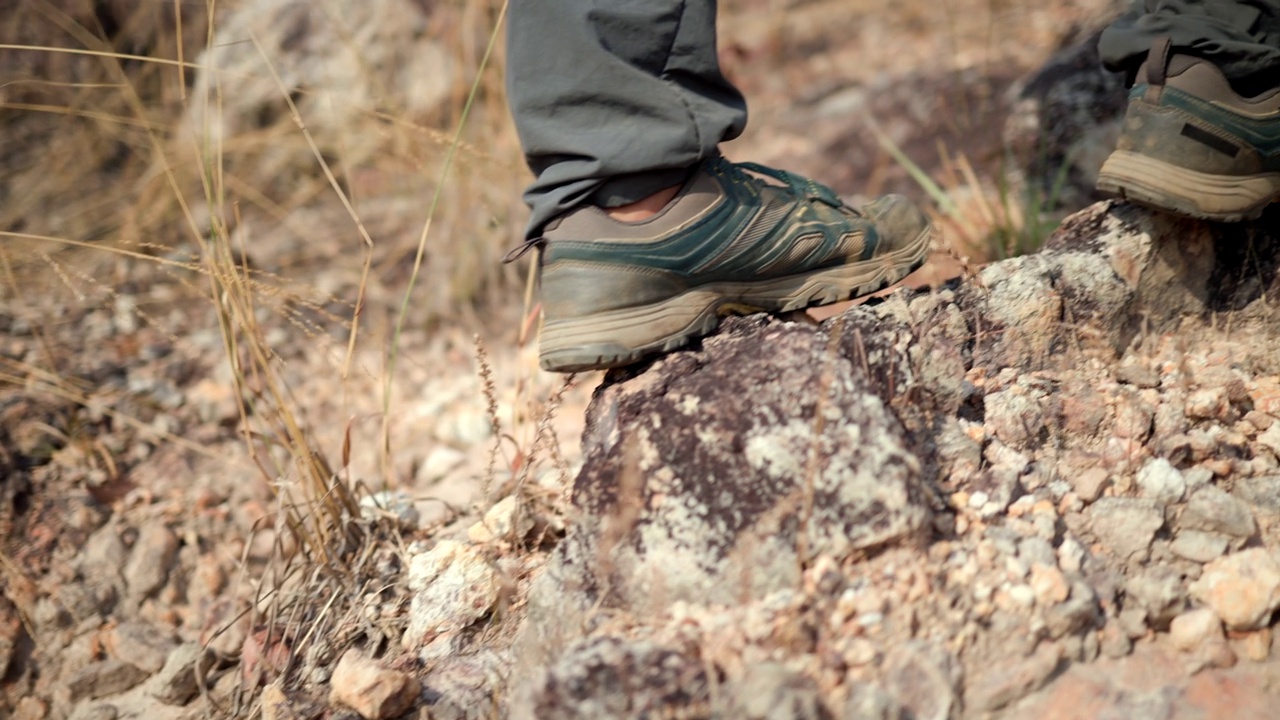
(1191, 145)
(729, 243)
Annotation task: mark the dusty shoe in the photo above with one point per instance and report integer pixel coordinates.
(1191, 145)
(729, 243)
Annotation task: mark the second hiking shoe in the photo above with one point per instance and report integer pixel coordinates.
(738, 238)
(1191, 145)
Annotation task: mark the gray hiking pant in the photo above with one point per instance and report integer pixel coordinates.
(617, 99)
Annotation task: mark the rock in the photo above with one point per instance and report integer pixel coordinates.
(390, 503)
(1212, 509)
(376, 692)
(1126, 526)
(1115, 642)
(1199, 546)
(1208, 404)
(1080, 611)
(95, 711)
(148, 567)
(608, 677)
(1138, 375)
(1009, 680)
(506, 520)
(453, 585)
(923, 678)
(1261, 493)
(1159, 480)
(1195, 629)
(722, 500)
(141, 644)
(103, 678)
(1242, 588)
(275, 704)
(1133, 417)
(1159, 591)
(1014, 416)
(770, 691)
(1270, 439)
(178, 681)
(1256, 646)
(1089, 484)
(1049, 585)
(869, 702)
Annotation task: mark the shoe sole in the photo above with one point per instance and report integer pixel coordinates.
(622, 337)
(1157, 184)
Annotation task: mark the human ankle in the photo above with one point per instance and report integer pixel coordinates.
(644, 208)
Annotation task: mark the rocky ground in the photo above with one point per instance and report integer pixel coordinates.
(1045, 488)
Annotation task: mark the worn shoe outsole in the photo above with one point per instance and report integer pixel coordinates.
(1160, 185)
(622, 337)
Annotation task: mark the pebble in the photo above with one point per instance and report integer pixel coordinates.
(1133, 418)
(1159, 480)
(1138, 375)
(1270, 439)
(1242, 588)
(1256, 646)
(1070, 555)
(1198, 546)
(506, 520)
(104, 677)
(1194, 629)
(1126, 526)
(1049, 585)
(1014, 416)
(393, 503)
(1089, 484)
(373, 691)
(453, 585)
(141, 644)
(1012, 679)
(1115, 642)
(148, 567)
(177, 681)
(1212, 509)
(1159, 591)
(1208, 404)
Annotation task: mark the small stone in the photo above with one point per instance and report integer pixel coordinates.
(104, 677)
(153, 554)
(922, 678)
(390, 503)
(1208, 404)
(1115, 642)
(1080, 611)
(868, 702)
(1256, 646)
(368, 688)
(506, 520)
(1013, 416)
(1159, 480)
(1070, 555)
(1194, 629)
(97, 711)
(1010, 680)
(1126, 526)
(178, 681)
(1138, 376)
(1270, 439)
(1133, 620)
(1089, 484)
(144, 645)
(1133, 417)
(275, 704)
(1212, 509)
(1049, 585)
(1159, 591)
(1197, 477)
(453, 585)
(1198, 546)
(31, 708)
(771, 690)
(1242, 588)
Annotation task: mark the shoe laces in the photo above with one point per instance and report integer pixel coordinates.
(800, 186)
